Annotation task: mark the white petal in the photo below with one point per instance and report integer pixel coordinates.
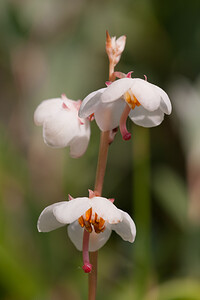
(79, 145)
(61, 128)
(146, 94)
(70, 211)
(108, 115)
(89, 103)
(120, 43)
(165, 104)
(116, 89)
(75, 233)
(142, 117)
(96, 241)
(126, 228)
(106, 210)
(46, 109)
(47, 220)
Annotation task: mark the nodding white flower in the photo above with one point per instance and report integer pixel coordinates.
(91, 221)
(143, 102)
(114, 48)
(62, 126)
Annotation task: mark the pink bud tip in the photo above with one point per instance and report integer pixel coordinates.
(87, 267)
(126, 136)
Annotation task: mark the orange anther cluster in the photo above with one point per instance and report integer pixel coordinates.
(90, 222)
(131, 100)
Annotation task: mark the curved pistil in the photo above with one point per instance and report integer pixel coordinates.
(122, 125)
(87, 267)
(131, 102)
(89, 221)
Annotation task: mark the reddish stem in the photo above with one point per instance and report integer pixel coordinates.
(100, 173)
(102, 161)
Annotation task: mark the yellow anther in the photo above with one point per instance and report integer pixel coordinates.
(88, 226)
(131, 99)
(81, 221)
(97, 229)
(101, 223)
(92, 221)
(128, 97)
(136, 101)
(88, 214)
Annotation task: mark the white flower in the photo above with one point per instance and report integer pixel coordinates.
(91, 221)
(143, 102)
(62, 126)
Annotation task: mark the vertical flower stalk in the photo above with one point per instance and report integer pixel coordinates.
(114, 49)
(100, 173)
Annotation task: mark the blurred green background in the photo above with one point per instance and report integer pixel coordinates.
(52, 47)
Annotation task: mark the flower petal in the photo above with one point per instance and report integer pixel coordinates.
(116, 90)
(61, 125)
(46, 109)
(108, 115)
(145, 118)
(89, 103)
(60, 129)
(120, 44)
(126, 228)
(79, 145)
(146, 94)
(47, 220)
(106, 210)
(165, 104)
(96, 241)
(71, 210)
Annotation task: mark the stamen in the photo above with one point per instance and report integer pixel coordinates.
(131, 100)
(81, 221)
(101, 223)
(87, 267)
(88, 226)
(91, 221)
(122, 125)
(96, 228)
(88, 214)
